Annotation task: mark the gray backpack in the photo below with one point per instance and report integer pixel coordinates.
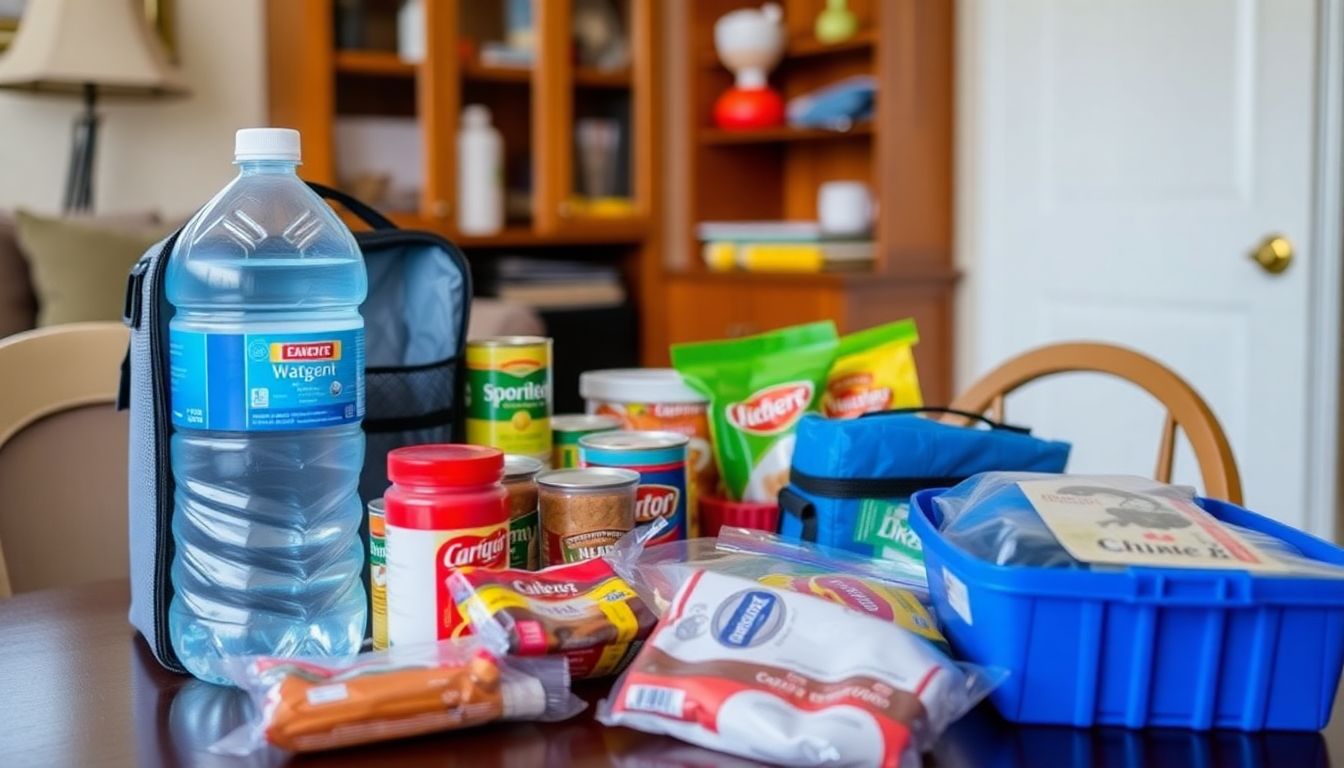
(415, 329)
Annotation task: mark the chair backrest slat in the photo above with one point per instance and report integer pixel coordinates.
(1184, 406)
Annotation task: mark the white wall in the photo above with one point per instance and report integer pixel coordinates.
(168, 156)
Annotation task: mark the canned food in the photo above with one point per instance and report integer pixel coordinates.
(445, 509)
(660, 460)
(509, 394)
(378, 574)
(520, 480)
(566, 431)
(657, 400)
(584, 512)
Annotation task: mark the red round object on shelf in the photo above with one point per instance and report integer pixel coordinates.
(740, 108)
(716, 513)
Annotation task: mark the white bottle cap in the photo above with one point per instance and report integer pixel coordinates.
(266, 144)
(476, 116)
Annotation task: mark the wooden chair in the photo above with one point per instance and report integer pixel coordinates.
(1185, 408)
(62, 457)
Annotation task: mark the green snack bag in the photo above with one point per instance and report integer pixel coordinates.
(758, 387)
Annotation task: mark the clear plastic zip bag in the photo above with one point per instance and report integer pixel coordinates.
(306, 705)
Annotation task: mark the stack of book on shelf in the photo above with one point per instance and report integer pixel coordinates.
(779, 246)
(548, 284)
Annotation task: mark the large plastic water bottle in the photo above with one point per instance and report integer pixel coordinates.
(267, 380)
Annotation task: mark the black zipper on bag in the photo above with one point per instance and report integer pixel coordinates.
(866, 487)
(163, 471)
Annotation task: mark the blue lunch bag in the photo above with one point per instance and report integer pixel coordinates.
(851, 481)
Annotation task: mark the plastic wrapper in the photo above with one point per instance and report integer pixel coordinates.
(874, 370)
(306, 705)
(584, 612)
(989, 516)
(786, 678)
(866, 585)
(758, 387)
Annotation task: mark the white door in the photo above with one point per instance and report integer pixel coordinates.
(1118, 160)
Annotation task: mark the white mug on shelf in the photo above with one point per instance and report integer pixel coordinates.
(844, 209)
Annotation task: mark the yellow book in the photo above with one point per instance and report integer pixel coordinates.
(781, 257)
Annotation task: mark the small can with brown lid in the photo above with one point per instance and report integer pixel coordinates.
(584, 512)
(520, 480)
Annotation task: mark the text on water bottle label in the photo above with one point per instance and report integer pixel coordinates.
(266, 381)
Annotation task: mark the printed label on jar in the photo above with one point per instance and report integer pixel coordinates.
(378, 580)
(690, 419)
(509, 398)
(420, 607)
(577, 547)
(255, 382)
(523, 550)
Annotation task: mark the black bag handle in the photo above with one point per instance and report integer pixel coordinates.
(363, 211)
(980, 417)
(794, 504)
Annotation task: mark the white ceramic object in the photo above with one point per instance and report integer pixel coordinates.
(411, 31)
(480, 173)
(750, 43)
(844, 208)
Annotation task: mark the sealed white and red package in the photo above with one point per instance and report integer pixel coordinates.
(789, 678)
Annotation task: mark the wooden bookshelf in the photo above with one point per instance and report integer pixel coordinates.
(904, 154)
(377, 63)
(782, 133)
(314, 83)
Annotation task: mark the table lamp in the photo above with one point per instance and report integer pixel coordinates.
(88, 48)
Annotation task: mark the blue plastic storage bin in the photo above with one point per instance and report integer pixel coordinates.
(1141, 647)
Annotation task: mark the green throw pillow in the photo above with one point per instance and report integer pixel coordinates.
(78, 267)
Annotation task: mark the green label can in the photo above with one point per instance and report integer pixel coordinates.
(378, 574)
(509, 394)
(566, 431)
(520, 480)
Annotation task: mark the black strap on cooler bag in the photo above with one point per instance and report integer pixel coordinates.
(795, 504)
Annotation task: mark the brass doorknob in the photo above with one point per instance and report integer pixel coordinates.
(1274, 254)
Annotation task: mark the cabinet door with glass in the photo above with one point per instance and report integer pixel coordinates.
(594, 98)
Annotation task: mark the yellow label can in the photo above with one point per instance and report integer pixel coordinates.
(378, 574)
(509, 394)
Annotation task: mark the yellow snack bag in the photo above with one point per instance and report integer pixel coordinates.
(874, 370)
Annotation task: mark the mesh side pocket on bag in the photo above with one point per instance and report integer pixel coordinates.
(412, 397)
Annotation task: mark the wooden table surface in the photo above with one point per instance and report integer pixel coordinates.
(77, 687)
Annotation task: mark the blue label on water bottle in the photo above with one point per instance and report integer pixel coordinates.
(235, 382)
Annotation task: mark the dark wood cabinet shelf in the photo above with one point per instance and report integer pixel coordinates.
(376, 63)
(782, 133)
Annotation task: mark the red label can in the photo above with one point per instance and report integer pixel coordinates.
(660, 460)
(446, 509)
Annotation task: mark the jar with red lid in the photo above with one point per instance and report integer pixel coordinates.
(446, 509)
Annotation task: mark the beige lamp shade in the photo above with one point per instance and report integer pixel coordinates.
(64, 45)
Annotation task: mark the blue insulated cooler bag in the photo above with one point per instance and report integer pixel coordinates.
(851, 480)
(415, 329)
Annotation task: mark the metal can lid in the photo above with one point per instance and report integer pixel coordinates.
(583, 422)
(518, 466)
(509, 341)
(637, 385)
(589, 479)
(628, 440)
